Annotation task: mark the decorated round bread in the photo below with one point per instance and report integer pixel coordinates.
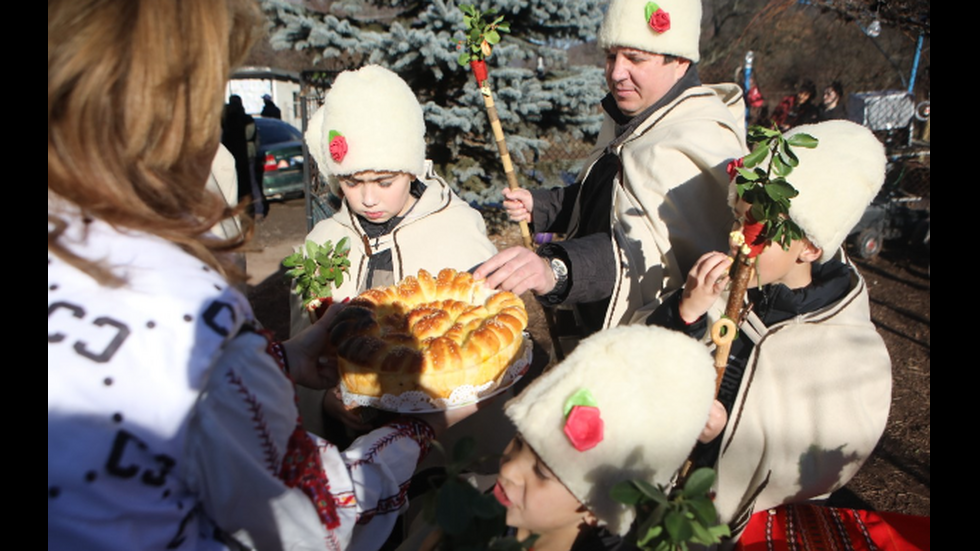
(429, 334)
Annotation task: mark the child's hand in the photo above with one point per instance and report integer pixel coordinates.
(717, 419)
(333, 407)
(519, 204)
(705, 282)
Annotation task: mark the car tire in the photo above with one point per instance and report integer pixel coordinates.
(868, 243)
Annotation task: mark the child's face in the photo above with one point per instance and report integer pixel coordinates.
(776, 265)
(535, 499)
(378, 196)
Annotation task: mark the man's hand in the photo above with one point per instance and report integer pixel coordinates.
(518, 204)
(305, 357)
(517, 270)
(705, 283)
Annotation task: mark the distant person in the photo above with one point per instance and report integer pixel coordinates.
(833, 106)
(240, 136)
(270, 110)
(798, 108)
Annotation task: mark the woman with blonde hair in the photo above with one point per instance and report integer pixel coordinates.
(171, 412)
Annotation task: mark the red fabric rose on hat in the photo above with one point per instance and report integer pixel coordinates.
(657, 18)
(338, 146)
(584, 427)
(733, 167)
(583, 422)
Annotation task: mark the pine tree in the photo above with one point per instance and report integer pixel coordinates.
(419, 41)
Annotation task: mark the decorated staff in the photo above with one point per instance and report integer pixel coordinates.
(481, 36)
(768, 220)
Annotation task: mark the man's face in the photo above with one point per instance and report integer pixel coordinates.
(638, 79)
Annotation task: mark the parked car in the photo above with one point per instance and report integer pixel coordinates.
(899, 212)
(279, 161)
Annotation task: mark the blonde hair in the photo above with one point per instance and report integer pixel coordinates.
(135, 95)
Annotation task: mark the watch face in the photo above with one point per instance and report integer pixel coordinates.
(559, 268)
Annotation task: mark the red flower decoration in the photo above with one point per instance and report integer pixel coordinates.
(754, 238)
(479, 70)
(338, 148)
(660, 21)
(733, 167)
(657, 18)
(584, 427)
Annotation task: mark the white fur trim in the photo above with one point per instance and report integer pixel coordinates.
(380, 118)
(625, 25)
(654, 388)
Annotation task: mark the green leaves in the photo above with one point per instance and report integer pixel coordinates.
(318, 269)
(670, 522)
(768, 190)
(482, 33)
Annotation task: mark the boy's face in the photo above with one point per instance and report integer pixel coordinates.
(638, 79)
(377, 196)
(534, 497)
(775, 265)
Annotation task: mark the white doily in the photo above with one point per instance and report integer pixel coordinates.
(416, 401)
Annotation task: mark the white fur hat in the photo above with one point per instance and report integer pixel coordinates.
(653, 389)
(675, 30)
(370, 120)
(837, 180)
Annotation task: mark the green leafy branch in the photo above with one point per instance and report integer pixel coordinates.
(669, 521)
(317, 268)
(768, 190)
(468, 519)
(482, 33)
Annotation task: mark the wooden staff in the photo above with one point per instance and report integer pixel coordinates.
(498, 135)
(724, 330)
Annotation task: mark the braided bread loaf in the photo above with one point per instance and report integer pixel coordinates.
(426, 333)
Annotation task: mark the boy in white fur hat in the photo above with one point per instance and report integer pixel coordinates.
(808, 383)
(368, 140)
(581, 430)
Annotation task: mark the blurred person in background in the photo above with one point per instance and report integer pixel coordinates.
(832, 106)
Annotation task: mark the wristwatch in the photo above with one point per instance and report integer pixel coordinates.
(560, 270)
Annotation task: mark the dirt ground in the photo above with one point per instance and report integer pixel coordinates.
(897, 476)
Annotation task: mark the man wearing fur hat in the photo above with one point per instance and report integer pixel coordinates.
(807, 386)
(652, 197)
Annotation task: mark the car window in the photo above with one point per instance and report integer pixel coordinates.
(273, 131)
